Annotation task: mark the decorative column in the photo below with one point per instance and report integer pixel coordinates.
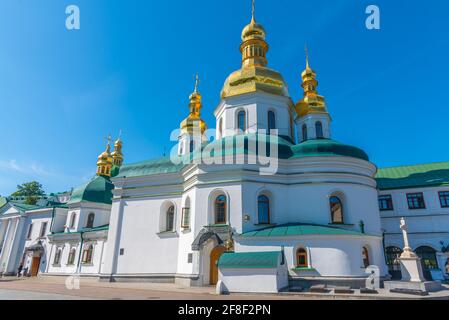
(411, 267)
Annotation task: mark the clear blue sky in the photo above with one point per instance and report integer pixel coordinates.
(131, 67)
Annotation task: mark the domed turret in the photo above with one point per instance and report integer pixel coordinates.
(254, 75)
(313, 120)
(312, 102)
(104, 163)
(117, 155)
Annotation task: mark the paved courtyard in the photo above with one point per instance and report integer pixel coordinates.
(55, 288)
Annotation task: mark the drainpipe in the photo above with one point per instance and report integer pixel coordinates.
(78, 267)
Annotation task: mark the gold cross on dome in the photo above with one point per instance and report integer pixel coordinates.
(197, 82)
(253, 10)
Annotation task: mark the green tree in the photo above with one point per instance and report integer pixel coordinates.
(30, 190)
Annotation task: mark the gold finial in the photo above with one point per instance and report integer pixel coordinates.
(307, 57)
(253, 11)
(108, 146)
(197, 82)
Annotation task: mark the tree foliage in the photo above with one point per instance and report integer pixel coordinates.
(30, 190)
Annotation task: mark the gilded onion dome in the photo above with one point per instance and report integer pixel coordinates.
(194, 119)
(117, 155)
(312, 102)
(104, 163)
(254, 74)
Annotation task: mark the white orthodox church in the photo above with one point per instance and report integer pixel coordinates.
(210, 212)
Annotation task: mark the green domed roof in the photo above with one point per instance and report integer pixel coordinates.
(244, 145)
(98, 190)
(327, 148)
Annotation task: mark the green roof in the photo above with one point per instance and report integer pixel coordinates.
(155, 166)
(422, 175)
(327, 148)
(97, 190)
(249, 260)
(242, 145)
(22, 207)
(299, 229)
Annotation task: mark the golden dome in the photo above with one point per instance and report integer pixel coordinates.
(254, 76)
(254, 79)
(117, 155)
(312, 102)
(253, 31)
(194, 119)
(104, 163)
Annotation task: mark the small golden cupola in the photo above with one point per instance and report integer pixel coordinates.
(117, 155)
(312, 102)
(254, 75)
(193, 123)
(104, 163)
(254, 48)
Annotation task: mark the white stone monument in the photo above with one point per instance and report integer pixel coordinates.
(411, 269)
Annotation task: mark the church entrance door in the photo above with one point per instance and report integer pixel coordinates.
(35, 266)
(214, 256)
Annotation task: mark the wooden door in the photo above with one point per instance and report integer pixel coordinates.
(214, 256)
(35, 266)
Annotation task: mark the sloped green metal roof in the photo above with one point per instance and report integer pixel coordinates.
(98, 190)
(327, 148)
(22, 207)
(245, 145)
(150, 167)
(299, 230)
(249, 260)
(422, 175)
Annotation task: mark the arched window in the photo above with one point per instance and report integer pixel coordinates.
(71, 259)
(301, 258)
(392, 255)
(241, 121)
(72, 220)
(90, 220)
(319, 130)
(88, 254)
(304, 132)
(428, 260)
(186, 215)
(58, 253)
(170, 219)
(271, 121)
(336, 209)
(191, 145)
(220, 210)
(365, 257)
(263, 209)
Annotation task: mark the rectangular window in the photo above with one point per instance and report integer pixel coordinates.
(43, 230)
(444, 199)
(30, 231)
(416, 201)
(190, 258)
(185, 218)
(385, 203)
